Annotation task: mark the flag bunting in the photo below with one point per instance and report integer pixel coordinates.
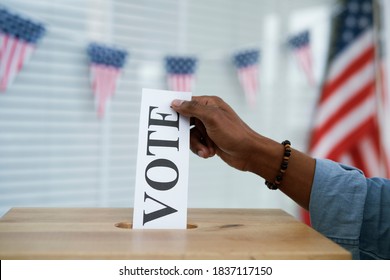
(18, 39)
(180, 72)
(300, 47)
(247, 65)
(106, 67)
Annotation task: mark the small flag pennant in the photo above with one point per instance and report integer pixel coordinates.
(18, 39)
(300, 46)
(106, 67)
(247, 65)
(180, 72)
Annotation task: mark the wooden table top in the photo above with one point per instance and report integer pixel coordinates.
(93, 233)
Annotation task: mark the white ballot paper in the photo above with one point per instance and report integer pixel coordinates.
(160, 199)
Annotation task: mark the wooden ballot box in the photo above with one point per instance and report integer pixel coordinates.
(106, 233)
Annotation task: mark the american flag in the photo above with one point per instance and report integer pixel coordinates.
(180, 72)
(346, 127)
(18, 38)
(247, 64)
(106, 66)
(383, 79)
(300, 46)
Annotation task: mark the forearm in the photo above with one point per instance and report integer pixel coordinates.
(219, 130)
(297, 181)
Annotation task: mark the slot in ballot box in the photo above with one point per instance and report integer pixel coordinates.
(106, 233)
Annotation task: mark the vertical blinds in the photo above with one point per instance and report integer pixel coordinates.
(54, 151)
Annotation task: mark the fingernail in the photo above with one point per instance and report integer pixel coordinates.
(201, 153)
(177, 102)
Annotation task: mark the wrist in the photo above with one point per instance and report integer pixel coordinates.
(264, 157)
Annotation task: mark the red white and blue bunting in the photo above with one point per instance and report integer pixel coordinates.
(18, 40)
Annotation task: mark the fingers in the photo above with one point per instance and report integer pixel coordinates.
(197, 144)
(188, 108)
(200, 142)
(198, 107)
(203, 110)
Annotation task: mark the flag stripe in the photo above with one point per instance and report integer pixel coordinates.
(22, 56)
(247, 65)
(16, 61)
(345, 142)
(346, 158)
(28, 49)
(369, 150)
(13, 55)
(331, 87)
(343, 127)
(343, 110)
(344, 93)
(179, 82)
(104, 82)
(248, 78)
(4, 60)
(358, 158)
(7, 62)
(339, 63)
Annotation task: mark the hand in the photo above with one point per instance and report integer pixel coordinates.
(218, 130)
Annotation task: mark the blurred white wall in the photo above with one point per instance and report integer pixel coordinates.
(54, 151)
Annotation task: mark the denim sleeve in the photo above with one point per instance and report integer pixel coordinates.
(337, 203)
(351, 210)
(375, 232)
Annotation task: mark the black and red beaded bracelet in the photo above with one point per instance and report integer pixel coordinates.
(283, 167)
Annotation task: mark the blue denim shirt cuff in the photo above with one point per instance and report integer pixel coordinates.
(337, 202)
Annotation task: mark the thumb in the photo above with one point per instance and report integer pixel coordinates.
(190, 108)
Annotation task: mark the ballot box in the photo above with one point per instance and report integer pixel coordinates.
(107, 233)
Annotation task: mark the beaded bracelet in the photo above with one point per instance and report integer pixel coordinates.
(283, 167)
